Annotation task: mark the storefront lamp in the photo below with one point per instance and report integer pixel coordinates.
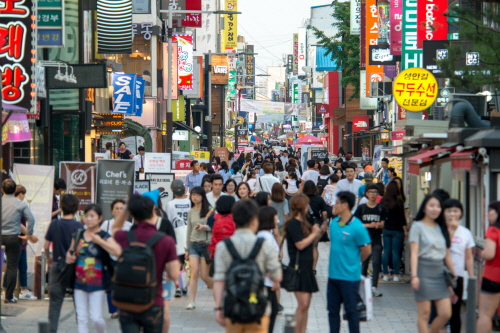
(384, 135)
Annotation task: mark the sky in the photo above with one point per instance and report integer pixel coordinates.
(270, 24)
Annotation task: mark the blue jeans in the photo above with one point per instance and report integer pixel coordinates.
(393, 244)
(338, 292)
(23, 272)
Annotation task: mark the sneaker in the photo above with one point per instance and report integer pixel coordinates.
(396, 278)
(27, 295)
(178, 292)
(13, 300)
(191, 306)
(375, 292)
(386, 278)
(280, 308)
(185, 291)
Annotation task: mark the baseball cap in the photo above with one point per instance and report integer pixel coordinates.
(368, 175)
(178, 187)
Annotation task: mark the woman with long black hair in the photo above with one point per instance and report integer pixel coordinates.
(429, 254)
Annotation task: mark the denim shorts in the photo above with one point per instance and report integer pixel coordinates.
(198, 250)
(168, 289)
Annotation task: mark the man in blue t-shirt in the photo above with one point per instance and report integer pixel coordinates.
(349, 246)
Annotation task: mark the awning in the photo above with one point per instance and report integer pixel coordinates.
(415, 162)
(185, 127)
(464, 159)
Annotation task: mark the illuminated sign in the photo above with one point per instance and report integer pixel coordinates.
(18, 53)
(250, 66)
(415, 89)
(114, 26)
(50, 23)
(111, 124)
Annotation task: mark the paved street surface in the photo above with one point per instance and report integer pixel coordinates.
(394, 312)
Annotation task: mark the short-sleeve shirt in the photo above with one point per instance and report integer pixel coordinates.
(311, 175)
(345, 255)
(431, 242)
(462, 240)
(89, 267)
(492, 267)
(361, 191)
(368, 215)
(61, 242)
(317, 206)
(125, 155)
(164, 250)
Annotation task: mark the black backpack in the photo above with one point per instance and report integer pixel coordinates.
(246, 296)
(321, 185)
(134, 281)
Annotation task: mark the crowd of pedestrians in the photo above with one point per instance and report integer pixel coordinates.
(229, 224)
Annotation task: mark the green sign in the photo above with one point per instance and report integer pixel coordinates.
(49, 3)
(295, 97)
(411, 54)
(49, 18)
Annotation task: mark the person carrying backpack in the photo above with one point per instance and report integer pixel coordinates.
(324, 174)
(223, 224)
(241, 263)
(137, 282)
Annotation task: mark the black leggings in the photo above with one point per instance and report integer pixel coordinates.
(271, 297)
(455, 321)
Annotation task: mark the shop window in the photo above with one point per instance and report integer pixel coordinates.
(65, 138)
(138, 62)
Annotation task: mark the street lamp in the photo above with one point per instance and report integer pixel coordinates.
(170, 12)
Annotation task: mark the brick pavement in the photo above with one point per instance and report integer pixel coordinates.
(394, 312)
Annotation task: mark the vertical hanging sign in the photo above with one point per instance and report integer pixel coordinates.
(411, 54)
(432, 24)
(295, 54)
(18, 53)
(371, 17)
(230, 34)
(124, 91)
(355, 27)
(185, 61)
(172, 71)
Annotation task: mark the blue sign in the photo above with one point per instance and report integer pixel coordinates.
(50, 37)
(139, 95)
(124, 94)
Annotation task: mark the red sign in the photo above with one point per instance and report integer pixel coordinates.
(360, 123)
(431, 22)
(323, 138)
(321, 108)
(397, 135)
(192, 19)
(183, 164)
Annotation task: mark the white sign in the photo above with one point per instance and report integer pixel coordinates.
(164, 180)
(251, 117)
(302, 49)
(365, 103)
(355, 17)
(157, 163)
(220, 69)
(180, 135)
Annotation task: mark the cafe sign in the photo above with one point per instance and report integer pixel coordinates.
(415, 89)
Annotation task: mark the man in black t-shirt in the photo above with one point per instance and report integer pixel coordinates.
(373, 216)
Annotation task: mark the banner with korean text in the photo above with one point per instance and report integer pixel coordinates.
(172, 71)
(115, 180)
(80, 180)
(185, 60)
(371, 35)
(39, 183)
(230, 33)
(158, 163)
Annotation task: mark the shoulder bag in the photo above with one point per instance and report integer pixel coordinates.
(290, 280)
(66, 272)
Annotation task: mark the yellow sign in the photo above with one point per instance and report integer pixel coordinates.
(201, 155)
(415, 89)
(229, 145)
(178, 112)
(230, 33)
(241, 120)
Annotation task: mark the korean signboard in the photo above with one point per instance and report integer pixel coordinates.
(145, 29)
(289, 64)
(172, 71)
(222, 153)
(415, 89)
(115, 179)
(16, 129)
(220, 69)
(50, 23)
(355, 17)
(157, 163)
(192, 19)
(250, 66)
(201, 155)
(185, 60)
(18, 53)
(178, 112)
(411, 55)
(371, 38)
(295, 54)
(396, 19)
(433, 24)
(397, 135)
(81, 181)
(302, 49)
(230, 33)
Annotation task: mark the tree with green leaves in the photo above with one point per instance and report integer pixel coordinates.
(478, 23)
(343, 48)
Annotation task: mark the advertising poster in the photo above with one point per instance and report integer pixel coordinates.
(185, 60)
(164, 180)
(17, 128)
(39, 183)
(433, 24)
(80, 180)
(124, 89)
(115, 180)
(141, 186)
(157, 163)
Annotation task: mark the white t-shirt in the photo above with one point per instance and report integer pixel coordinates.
(462, 240)
(268, 236)
(253, 184)
(311, 175)
(108, 225)
(212, 200)
(177, 213)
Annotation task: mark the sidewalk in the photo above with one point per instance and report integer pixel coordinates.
(395, 312)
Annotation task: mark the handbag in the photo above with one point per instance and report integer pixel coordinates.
(290, 280)
(66, 272)
(450, 278)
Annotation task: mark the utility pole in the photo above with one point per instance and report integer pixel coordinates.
(168, 147)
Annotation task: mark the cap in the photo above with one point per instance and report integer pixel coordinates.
(178, 187)
(368, 175)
